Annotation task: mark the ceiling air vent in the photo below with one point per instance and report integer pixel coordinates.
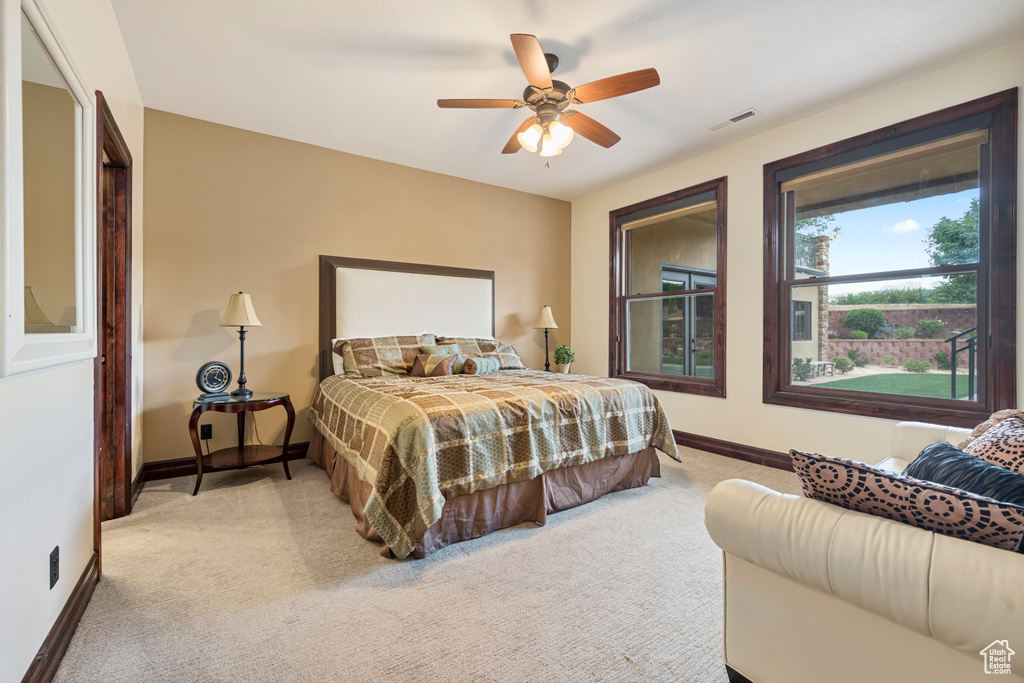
(735, 119)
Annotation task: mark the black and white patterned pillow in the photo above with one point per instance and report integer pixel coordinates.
(933, 507)
(1001, 443)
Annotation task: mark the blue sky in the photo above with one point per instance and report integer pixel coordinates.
(890, 237)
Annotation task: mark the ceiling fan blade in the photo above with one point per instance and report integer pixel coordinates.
(613, 86)
(590, 129)
(476, 104)
(513, 146)
(531, 58)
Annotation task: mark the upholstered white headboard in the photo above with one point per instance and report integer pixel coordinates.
(364, 298)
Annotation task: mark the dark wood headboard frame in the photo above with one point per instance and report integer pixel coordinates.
(329, 289)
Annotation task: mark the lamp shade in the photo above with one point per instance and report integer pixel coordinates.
(240, 312)
(33, 314)
(545, 321)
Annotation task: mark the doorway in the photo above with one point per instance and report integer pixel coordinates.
(113, 364)
(687, 321)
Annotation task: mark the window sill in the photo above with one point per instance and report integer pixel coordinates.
(689, 385)
(882, 406)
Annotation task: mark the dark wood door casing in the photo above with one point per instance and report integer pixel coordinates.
(113, 363)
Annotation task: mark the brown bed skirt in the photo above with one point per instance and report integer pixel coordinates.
(481, 512)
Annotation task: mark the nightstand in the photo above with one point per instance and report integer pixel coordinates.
(237, 457)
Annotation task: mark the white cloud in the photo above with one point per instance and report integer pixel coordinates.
(905, 226)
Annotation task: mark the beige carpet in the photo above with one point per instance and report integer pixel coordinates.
(263, 579)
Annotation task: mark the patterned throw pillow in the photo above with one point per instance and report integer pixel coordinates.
(432, 366)
(385, 356)
(1001, 442)
(933, 507)
(482, 347)
(445, 350)
(344, 361)
(481, 366)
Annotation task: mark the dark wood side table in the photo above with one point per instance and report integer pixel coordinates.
(237, 457)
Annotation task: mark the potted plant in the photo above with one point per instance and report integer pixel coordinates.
(564, 357)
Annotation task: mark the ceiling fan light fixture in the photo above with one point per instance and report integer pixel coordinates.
(530, 137)
(548, 147)
(561, 135)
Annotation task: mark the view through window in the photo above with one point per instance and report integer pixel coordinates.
(669, 295)
(887, 278)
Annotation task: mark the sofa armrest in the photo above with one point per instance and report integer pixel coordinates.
(870, 562)
(959, 592)
(909, 438)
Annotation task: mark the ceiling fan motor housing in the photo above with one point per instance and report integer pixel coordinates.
(547, 102)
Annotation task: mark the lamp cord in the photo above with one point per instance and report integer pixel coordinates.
(256, 430)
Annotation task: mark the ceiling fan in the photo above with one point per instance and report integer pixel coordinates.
(552, 126)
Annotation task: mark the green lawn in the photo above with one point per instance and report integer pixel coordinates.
(934, 384)
(671, 365)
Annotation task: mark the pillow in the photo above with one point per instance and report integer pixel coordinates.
(945, 464)
(344, 361)
(445, 350)
(993, 419)
(1002, 443)
(386, 356)
(482, 347)
(432, 366)
(481, 366)
(933, 507)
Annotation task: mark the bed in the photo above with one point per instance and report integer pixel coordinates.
(428, 461)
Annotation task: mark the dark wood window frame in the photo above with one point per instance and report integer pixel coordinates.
(710, 386)
(999, 260)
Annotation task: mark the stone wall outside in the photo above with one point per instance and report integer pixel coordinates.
(902, 349)
(954, 316)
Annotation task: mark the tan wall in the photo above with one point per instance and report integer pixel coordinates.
(49, 154)
(773, 427)
(229, 210)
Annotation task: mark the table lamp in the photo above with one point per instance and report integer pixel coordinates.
(240, 314)
(33, 313)
(545, 321)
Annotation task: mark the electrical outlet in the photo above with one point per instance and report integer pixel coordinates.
(54, 566)
(205, 431)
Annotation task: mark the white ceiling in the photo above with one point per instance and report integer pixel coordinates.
(363, 76)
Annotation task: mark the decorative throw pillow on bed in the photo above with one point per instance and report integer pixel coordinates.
(482, 347)
(945, 464)
(386, 356)
(344, 361)
(432, 366)
(999, 440)
(934, 507)
(444, 350)
(481, 366)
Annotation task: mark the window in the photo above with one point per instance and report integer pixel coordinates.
(892, 256)
(801, 323)
(668, 291)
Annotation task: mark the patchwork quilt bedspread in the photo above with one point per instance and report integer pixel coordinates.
(419, 441)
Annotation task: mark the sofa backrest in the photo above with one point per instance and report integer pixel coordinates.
(909, 438)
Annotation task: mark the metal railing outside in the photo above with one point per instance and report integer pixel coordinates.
(971, 347)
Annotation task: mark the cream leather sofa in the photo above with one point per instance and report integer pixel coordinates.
(816, 593)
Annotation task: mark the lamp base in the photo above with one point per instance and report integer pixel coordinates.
(241, 393)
